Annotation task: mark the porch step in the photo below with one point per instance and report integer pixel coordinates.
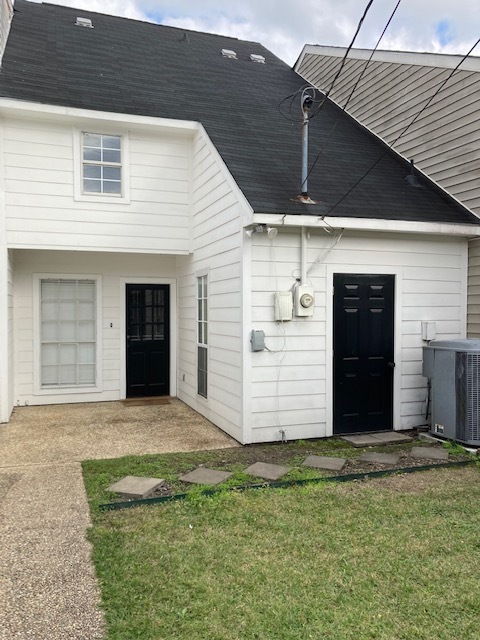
(376, 439)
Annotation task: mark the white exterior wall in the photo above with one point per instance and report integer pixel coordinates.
(115, 270)
(10, 323)
(45, 210)
(292, 383)
(218, 208)
(473, 326)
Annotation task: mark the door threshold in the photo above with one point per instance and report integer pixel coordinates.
(145, 402)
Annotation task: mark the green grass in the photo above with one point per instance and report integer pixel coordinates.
(390, 559)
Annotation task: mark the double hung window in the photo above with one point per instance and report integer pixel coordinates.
(101, 164)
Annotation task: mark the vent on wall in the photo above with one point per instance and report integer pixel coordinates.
(84, 22)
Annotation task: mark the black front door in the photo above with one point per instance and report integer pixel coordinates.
(148, 343)
(363, 352)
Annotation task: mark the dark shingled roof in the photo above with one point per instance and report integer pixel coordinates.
(134, 67)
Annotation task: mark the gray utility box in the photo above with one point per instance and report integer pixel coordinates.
(453, 367)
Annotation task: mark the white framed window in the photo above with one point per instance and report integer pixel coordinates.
(101, 164)
(202, 336)
(67, 334)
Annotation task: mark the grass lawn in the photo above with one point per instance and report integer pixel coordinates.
(394, 558)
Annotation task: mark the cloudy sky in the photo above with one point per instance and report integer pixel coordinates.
(284, 26)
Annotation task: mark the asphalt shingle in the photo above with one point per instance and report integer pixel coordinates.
(132, 67)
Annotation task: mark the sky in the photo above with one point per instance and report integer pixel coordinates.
(284, 26)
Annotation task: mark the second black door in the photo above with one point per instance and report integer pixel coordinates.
(363, 352)
(148, 344)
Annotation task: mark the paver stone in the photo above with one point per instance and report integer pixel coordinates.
(325, 462)
(135, 487)
(202, 475)
(430, 453)
(267, 470)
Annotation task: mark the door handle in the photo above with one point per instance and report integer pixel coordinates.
(391, 365)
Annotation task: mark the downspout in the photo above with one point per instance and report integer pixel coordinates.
(303, 256)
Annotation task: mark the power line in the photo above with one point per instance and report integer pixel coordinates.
(356, 83)
(344, 59)
(405, 129)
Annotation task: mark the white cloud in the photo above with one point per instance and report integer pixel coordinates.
(284, 26)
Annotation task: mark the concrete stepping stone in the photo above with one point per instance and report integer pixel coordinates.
(376, 439)
(135, 487)
(267, 470)
(392, 437)
(362, 440)
(379, 458)
(202, 475)
(325, 462)
(430, 453)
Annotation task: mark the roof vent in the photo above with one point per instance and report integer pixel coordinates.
(84, 22)
(255, 57)
(228, 53)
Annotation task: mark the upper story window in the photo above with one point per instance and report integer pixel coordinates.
(102, 164)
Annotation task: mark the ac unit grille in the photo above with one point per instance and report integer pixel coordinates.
(467, 370)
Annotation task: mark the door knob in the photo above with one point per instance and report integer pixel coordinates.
(391, 365)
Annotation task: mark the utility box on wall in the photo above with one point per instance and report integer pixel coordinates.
(304, 300)
(283, 310)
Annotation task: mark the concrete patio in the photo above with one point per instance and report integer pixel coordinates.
(49, 590)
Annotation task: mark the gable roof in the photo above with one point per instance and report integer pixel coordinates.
(132, 67)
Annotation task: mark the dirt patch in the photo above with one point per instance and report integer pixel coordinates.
(293, 454)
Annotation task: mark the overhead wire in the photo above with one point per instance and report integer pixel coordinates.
(357, 82)
(402, 133)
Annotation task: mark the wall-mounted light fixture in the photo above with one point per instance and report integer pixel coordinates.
(262, 228)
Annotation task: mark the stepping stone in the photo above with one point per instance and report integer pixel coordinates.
(426, 437)
(325, 462)
(267, 470)
(362, 440)
(379, 458)
(202, 475)
(392, 437)
(430, 453)
(135, 487)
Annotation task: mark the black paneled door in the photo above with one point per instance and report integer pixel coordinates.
(363, 353)
(148, 340)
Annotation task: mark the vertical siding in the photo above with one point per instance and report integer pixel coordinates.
(216, 250)
(113, 268)
(41, 170)
(290, 385)
(444, 141)
(473, 326)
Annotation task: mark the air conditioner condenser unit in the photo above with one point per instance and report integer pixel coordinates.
(453, 367)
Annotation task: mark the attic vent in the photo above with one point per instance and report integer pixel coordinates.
(84, 22)
(228, 53)
(255, 57)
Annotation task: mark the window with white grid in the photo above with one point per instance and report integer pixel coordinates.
(67, 333)
(102, 164)
(202, 337)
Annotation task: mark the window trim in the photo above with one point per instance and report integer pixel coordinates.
(38, 390)
(201, 345)
(81, 196)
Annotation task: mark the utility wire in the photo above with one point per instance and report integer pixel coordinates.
(391, 145)
(354, 86)
(344, 59)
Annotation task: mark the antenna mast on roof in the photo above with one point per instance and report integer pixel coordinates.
(306, 102)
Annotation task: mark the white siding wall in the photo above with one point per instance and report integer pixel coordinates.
(291, 387)
(114, 269)
(10, 320)
(217, 212)
(473, 326)
(42, 164)
(444, 141)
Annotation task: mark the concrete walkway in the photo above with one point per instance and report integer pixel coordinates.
(48, 588)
